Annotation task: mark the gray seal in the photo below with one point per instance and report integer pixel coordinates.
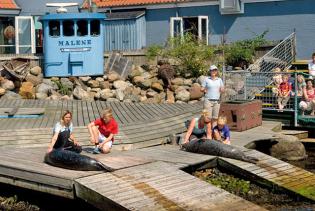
(216, 148)
(74, 161)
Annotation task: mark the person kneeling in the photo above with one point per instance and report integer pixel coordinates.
(221, 131)
(102, 132)
(199, 127)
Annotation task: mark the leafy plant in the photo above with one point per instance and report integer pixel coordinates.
(62, 88)
(188, 52)
(241, 53)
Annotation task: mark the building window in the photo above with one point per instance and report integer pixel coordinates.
(197, 26)
(68, 28)
(38, 35)
(95, 27)
(82, 29)
(7, 35)
(54, 28)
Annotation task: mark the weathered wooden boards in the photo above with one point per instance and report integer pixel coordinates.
(275, 173)
(156, 186)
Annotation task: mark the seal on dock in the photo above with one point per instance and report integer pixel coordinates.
(74, 161)
(216, 148)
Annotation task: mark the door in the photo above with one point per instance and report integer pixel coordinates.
(203, 24)
(24, 34)
(176, 27)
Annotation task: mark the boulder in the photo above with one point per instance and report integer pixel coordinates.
(137, 80)
(106, 94)
(188, 82)
(178, 81)
(120, 94)
(142, 98)
(81, 94)
(183, 95)
(35, 80)
(136, 71)
(36, 70)
(27, 90)
(195, 93)
(93, 83)
(41, 96)
(288, 148)
(2, 91)
(54, 79)
(120, 84)
(44, 88)
(200, 79)
(99, 79)
(157, 86)
(85, 79)
(50, 83)
(170, 97)
(112, 76)
(146, 84)
(7, 84)
(105, 85)
(151, 94)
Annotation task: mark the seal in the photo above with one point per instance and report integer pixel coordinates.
(74, 161)
(216, 148)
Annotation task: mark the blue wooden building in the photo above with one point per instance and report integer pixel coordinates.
(210, 19)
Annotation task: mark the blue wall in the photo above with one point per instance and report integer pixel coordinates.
(280, 18)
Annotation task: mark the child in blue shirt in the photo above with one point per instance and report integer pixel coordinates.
(221, 131)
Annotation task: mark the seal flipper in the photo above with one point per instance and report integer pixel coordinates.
(102, 166)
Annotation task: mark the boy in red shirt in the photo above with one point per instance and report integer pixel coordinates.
(102, 131)
(284, 92)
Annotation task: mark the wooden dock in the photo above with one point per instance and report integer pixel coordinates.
(145, 176)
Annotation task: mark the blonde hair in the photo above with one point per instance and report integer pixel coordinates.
(107, 112)
(277, 69)
(66, 112)
(301, 77)
(222, 120)
(205, 114)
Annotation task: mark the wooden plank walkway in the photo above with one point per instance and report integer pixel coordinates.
(156, 186)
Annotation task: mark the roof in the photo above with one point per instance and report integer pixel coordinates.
(8, 4)
(116, 3)
(124, 15)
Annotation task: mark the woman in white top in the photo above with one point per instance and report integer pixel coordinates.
(311, 66)
(62, 135)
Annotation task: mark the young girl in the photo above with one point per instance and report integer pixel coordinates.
(277, 80)
(284, 92)
(221, 132)
(62, 135)
(102, 132)
(199, 127)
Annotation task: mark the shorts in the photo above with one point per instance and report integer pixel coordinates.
(213, 107)
(101, 139)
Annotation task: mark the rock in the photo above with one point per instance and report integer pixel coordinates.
(195, 93)
(54, 97)
(95, 90)
(132, 98)
(35, 80)
(2, 91)
(93, 83)
(183, 95)
(179, 102)
(120, 95)
(127, 101)
(142, 98)
(65, 82)
(112, 100)
(120, 84)
(288, 148)
(157, 86)
(105, 85)
(85, 79)
(170, 97)
(44, 88)
(99, 79)
(193, 102)
(137, 80)
(146, 84)
(81, 94)
(180, 88)
(112, 76)
(54, 79)
(136, 71)
(136, 91)
(17, 84)
(7, 84)
(50, 83)
(106, 93)
(151, 94)
(65, 97)
(143, 93)
(41, 96)
(27, 90)
(187, 82)
(11, 95)
(36, 70)
(146, 75)
(178, 81)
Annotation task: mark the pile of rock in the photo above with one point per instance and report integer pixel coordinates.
(148, 84)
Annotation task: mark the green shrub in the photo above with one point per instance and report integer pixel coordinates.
(63, 89)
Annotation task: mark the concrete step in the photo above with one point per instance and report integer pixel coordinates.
(297, 133)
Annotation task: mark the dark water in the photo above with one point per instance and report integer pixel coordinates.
(40, 201)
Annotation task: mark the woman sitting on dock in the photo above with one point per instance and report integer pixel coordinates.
(63, 137)
(199, 127)
(102, 131)
(308, 103)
